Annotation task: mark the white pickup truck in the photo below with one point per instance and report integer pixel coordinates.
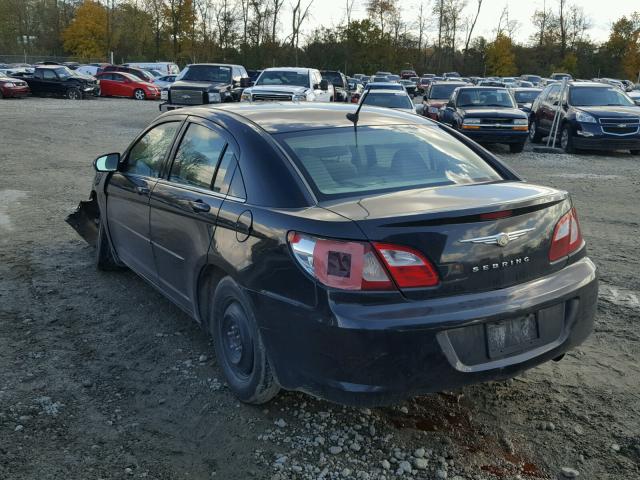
(289, 84)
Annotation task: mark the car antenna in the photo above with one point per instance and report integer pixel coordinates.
(356, 115)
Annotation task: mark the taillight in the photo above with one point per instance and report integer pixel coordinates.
(353, 265)
(567, 237)
(408, 267)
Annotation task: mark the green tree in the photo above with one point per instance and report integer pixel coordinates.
(86, 36)
(501, 60)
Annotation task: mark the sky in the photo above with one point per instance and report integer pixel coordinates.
(602, 14)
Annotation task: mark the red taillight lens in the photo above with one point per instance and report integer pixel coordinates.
(351, 265)
(340, 264)
(408, 267)
(567, 237)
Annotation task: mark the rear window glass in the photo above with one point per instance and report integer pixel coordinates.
(337, 163)
(442, 91)
(389, 100)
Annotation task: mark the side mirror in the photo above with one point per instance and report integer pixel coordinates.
(324, 85)
(245, 82)
(420, 109)
(107, 163)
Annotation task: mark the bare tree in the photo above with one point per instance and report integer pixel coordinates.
(562, 19)
(300, 14)
(276, 6)
(349, 10)
(471, 25)
(421, 23)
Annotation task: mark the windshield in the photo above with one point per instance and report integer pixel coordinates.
(64, 72)
(340, 162)
(594, 96)
(484, 97)
(526, 96)
(442, 91)
(207, 73)
(284, 77)
(389, 100)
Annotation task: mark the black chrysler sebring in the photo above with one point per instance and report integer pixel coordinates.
(362, 258)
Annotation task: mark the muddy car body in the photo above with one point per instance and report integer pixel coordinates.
(360, 265)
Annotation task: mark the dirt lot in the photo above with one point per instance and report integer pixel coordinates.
(102, 378)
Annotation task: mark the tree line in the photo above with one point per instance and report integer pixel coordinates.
(432, 36)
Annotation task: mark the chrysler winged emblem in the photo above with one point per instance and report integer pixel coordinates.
(501, 239)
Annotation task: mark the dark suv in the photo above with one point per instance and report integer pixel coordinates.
(340, 85)
(592, 116)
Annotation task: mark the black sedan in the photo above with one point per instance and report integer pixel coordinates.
(591, 116)
(361, 258)
(487, 115)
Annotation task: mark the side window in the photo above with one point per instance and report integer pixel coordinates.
(117, 77)
(554, 94)
(147, 155)
(225, 172)
(37, 74)
(197, 156)
(237, 185)
(49, 75)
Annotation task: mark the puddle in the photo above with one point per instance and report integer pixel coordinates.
(7, 199)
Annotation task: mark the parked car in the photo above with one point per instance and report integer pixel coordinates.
(12, 87)
(288, 84)
(253, 76)
(165, 68)
(410, 86)
(399, 100)
(560, 76)
(525, 97)
(383, 86)
(165, 81)
(524, 84)
(536, 80)
(138, 72)
(491, 83)
(323, 258)
(206, 83)
(393, 78)
(122, 84)
(57, 80)
(407, 74)
(423, 84)
(437, 96)
(383, 74)
(378, 79)
(356, 88)
(340, 85)
(487, 115)
(451, 75)
(592, 116)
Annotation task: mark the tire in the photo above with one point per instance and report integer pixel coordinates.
(534, 132)
(74, 94)
(566, 139)
(1, 95)
(516, 147)
(139, 94)
(105, 259)
(239, 349)
(633, 152)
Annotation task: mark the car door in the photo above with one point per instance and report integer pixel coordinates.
(321, 95)
(549, 107)
(128, 193)
(184, 208)
(50, 82)
(119, 85)
(106, 84)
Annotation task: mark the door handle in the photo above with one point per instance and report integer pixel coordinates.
(142, 190)
(199, 206)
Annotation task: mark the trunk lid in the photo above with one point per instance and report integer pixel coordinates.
(450, 226)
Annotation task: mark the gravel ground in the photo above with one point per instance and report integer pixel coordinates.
(103, 378)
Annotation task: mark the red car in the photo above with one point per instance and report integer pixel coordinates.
(13, 87)
(121, 84)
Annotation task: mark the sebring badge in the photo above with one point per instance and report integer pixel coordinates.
(501, 239)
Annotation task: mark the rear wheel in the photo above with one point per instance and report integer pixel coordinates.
(534, 132)
(516, 147)
(238, 346)
(74, 94)
(566, 140)
(139, 94)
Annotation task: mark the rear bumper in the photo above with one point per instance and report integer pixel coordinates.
(15, 92)
(497, 135)
(373, 354)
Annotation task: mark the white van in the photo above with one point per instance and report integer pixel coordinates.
(167, 68)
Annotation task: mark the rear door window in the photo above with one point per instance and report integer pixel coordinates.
(147, 155)
(225, 171)
(197, 156)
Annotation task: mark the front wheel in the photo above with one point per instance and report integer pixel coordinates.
(74, 94)
(139, 94)
(238, 346)
(566, 140)
(516, 147)
(105, 259)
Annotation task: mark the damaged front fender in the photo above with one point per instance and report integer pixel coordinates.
(85, 220)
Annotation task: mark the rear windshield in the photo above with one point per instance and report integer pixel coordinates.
(442, 91)
(594, 96)
(341, 162)
(389, 100)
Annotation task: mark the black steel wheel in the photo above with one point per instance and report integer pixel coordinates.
(74, 94)
(239, 349)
